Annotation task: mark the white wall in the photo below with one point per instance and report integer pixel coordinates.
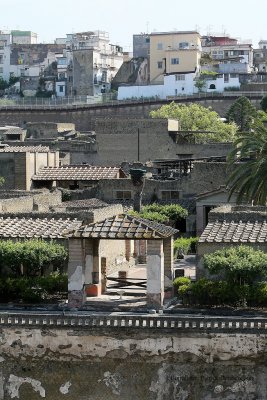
(173, 87)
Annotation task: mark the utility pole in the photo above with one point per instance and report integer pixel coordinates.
(138, 144)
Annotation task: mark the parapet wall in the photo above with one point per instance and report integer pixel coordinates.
(72, 356)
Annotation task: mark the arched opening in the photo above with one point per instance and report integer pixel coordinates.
(212, 86)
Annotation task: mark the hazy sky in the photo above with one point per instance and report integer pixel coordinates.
(122, 18)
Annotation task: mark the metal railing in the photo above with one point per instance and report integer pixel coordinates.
(106, 100)
(174, 323)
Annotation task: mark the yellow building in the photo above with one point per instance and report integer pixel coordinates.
(173, 52)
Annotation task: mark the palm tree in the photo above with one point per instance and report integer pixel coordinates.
(248, 163)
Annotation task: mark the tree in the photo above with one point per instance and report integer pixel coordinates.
(2, 181)
(3, 84)
(200, 84)
(264, 103)
(243, 113)
(248, 162)
(194, 117)
(239, 265)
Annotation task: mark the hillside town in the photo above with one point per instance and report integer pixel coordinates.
(133, 217)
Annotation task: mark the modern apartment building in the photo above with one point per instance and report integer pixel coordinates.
(173, 52)
(94, 61)
(228, 55)
(5, 40)
(260, 56)
(23, 37)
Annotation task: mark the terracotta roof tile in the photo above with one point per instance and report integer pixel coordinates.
(77, 172)
(235, 232)
(125, 227)
(85, 203)
(24, 149)
(37, 228)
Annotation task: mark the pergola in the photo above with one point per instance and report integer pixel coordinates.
(85, 260)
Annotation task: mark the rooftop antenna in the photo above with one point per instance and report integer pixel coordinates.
(147, 27)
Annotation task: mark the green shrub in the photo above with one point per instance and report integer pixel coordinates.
(32, 289)
(183, 246)
(182, 280)
(238, 265)
(169, 213)
(31, 257)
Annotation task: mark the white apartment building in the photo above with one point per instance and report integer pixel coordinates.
(5, 40)
(93, 62)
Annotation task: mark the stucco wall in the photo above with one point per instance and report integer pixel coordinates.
(122, 364)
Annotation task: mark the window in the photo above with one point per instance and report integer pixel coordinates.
(123, 195)
(226, 77)
(160, 46)
(212, 86)
(174, 61)
(1, 70)
(183, 45)
(170, 195)
(147, 40)
(61, 89)
(180, 77)
(1, 59)
(160, 64)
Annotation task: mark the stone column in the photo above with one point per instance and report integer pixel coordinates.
(76, 279)
(92, 268)
(200, 220)
(155, 273)
(168, 262)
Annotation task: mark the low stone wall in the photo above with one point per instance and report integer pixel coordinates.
(131, 357)
(25, 202)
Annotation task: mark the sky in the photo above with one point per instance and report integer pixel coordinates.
(123, 18)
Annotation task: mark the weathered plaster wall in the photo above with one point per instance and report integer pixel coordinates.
(78, 365)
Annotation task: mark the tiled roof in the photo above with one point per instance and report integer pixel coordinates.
(235, 232)
(76, 172)
(14, 131)
(125, 227)
(37, 228)
(24, 149)
(86, 203)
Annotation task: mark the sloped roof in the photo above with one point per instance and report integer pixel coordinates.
(14, 131)
(24, 149)
(125, 227)
(37, 228)
(77, 172)
(85, 203)
(235, 232)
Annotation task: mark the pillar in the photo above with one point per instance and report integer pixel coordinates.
(168, 262)
(92, 268)
(200, 220)
(76, 277)
(155, 273)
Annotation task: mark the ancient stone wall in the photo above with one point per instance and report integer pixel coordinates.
(84, 117)
(128, 364)
(204, 177)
